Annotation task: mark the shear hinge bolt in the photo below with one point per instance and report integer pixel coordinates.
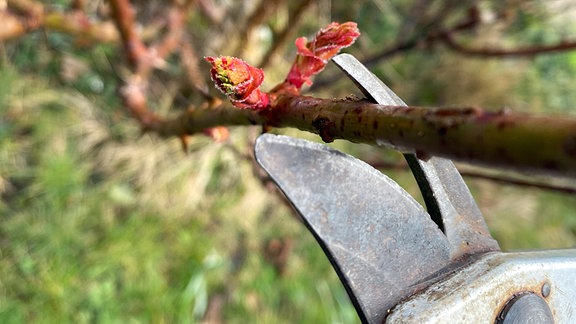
(527, 307)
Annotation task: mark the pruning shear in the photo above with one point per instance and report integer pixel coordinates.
(399, 262)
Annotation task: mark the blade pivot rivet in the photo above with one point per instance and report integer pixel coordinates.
(546, 290)
(526, 307)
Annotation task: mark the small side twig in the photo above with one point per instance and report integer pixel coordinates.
(175, 16)
(281, 38)
(530, 51)
(256, 18)
(142, 59)
(425, 37)
(500, 178)
(195, 78)
(124, 18)
(21, 17)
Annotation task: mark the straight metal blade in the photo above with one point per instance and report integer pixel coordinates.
(448, 200)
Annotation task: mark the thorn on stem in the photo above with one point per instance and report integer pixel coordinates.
(184, 141)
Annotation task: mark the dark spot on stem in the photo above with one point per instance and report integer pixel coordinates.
(375, 124)
(503, 153)
(442, 130)
(422, 155)
(326, 128)
(359, 119)
(570, 146)
(551, 165)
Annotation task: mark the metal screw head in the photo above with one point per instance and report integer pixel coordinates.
(526, 308)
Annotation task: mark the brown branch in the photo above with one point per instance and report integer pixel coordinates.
(404, 45)
(426, 37)
(142, 59)
(213, 13)
(503, 139)
(281, 38)
(133, 94)
(124, 18)
(258, 16)
(23, 17)
(194, 76)
(77, 24)
(529, 51)
(176, 17)
(500, 178)
(522, 142)
(447, 36)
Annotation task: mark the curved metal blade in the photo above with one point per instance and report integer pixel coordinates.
(447, 197)
(378, 238)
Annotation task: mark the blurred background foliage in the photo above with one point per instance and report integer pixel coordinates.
(99, 223)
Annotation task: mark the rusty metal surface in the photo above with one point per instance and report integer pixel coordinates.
(378, 238)
(447, 197)
(477, 293)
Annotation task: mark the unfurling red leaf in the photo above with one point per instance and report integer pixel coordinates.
(239, 81)
(314, 55)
